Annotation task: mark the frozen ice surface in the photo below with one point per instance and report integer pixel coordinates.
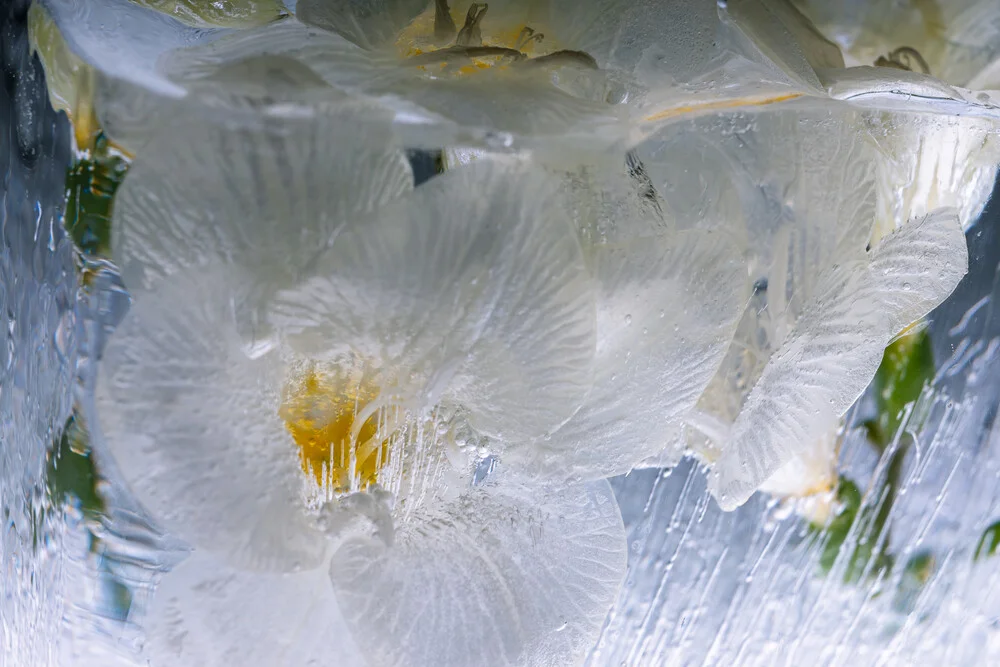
(60, 588)
(37, 293)
(704, 586)
(744, 588)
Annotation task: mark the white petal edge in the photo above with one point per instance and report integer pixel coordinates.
(207, 614)
(269, 199)
(835, 350)
(667, 310)
(509, 574)
(192, 421)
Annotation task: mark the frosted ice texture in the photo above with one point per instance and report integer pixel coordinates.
(37, 350)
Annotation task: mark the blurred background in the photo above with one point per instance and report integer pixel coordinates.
(904, 574)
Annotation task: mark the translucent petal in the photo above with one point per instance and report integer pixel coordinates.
(493, 108)
(687, 58)
(270, 198)
(342, 63)
(666, 313)
(957, 39)
(505, 575)
(787, 37)
(833, 353)
(124, 40)
(474, 286)
(208, 13)
(930, 162)
(506, 110)
(797, 226)
(367, 23)
(888, 89)
(192, 421)
(207, 614)
(244, 93)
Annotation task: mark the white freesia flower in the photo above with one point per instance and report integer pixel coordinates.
(567, 76)
(947, 155)
(956, 41)
(931, 162)
(319, 360)
(825, 305)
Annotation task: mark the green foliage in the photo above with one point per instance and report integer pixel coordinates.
(71, 476)
(867, 555)
(91, 183)
(907, 367)
(988, 542)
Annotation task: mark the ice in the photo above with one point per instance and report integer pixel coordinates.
(746, 588)
(37, 292)
(757, 586)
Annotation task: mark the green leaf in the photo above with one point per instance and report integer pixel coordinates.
(849, 499)
(988, 542)
(91, 183)
(71, 475)
(907, 366)
(835, 534)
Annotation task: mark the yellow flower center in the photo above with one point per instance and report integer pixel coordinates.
(340, 433)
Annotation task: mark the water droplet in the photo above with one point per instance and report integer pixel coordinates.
(628, 319)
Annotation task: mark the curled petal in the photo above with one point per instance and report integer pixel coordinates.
(504, 575)
(124, 40)
(833, 353)
(786, 36)
(667, 310)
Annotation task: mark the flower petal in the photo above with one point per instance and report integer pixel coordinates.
(229, 14)
(796, 225)
(367, 23)
(506, 575)
(958, 40)
(930, 162)
(124, 40)
(207, 614)
(477, 272)
(270, 198)
(833, 353)
(786, 37)
(192, 421)
(667, 310)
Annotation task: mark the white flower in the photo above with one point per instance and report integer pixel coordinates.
(958, 40)
(926, 163)
(319, 360)
(946, 154)
(802, 187)
(559, 75)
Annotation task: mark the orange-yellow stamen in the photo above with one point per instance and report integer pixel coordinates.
(321, 413)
